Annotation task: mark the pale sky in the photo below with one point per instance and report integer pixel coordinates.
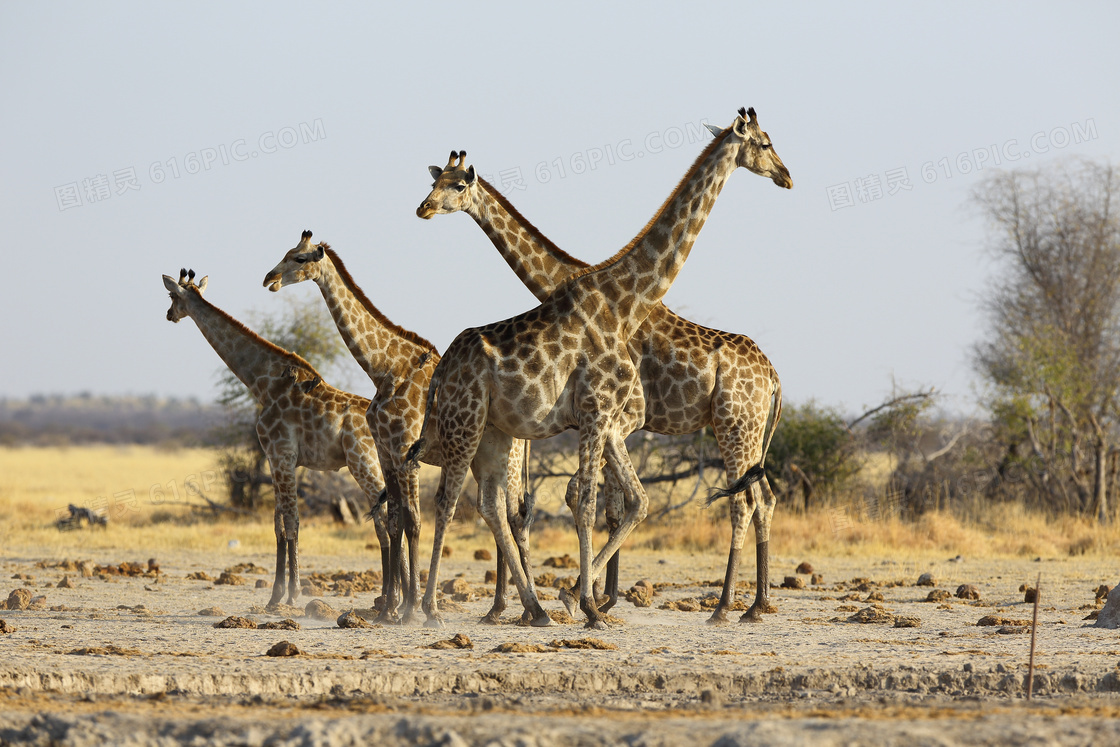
(140, 138)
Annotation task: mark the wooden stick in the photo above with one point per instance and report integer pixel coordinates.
(1034, 631)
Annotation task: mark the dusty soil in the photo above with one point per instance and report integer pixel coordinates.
(128, 659)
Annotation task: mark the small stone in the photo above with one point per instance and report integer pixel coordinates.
(640, 595)
(1029, 594)
(320, 610)
(561, 561)
(211, 612)
(457, 585)
(153, 565)
(710, 698)
(284, 648)
(817, 579)
(482, 555)
(229, 579)
(938, 595)
(1102, 591)
(491, 577)
(285, 624)
(926, 579)
(907, 622)
(872, 615)
(875, 596)
(596, 644)
(199, 576)
(5, 627)
(992, 620)
(19, 599)
(446, 553)
(457, 641)
(65, 583)
(793, 582)
(260, 584)
(805, 569)
(967, 591)
(236, 622)
(351, 620)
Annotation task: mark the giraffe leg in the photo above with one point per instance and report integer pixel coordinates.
(491, 462)
(570, 597)
(637, 503)
(520, 521)
(281, 559)
(613, 498)
(592, 440)
(361, 460)
(412, 526)
(389, 584)
(447, 496)
(284, 483)
(501, 588)
(739, 521)
(764, 512)
(293, 560)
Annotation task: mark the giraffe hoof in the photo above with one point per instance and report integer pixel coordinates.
(595, 625)
(570, 600)
(490, 618)
(542, 621)
(434, 621)
(754, 614)
(719, 617)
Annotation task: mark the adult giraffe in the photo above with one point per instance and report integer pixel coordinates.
(691, 377)
(567, 363)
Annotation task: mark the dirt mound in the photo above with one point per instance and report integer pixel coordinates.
(352, 620)
(561, 561)
(872, 615)
(482, 555)
(5, 627)
(211, 612)
(230, 579)
(286, 624)
(584, 643)
(320, 610)
(967, 591)
(284, 648)
(521, 648)
(457, 641)
(19, 599)
(110, 650)
(233, 621)
(987, 620)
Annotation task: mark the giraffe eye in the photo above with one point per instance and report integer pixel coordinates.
(766, 146)
(460, 187)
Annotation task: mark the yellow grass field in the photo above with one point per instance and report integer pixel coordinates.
(144, 489)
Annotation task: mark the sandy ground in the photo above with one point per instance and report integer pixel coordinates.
(128, 660)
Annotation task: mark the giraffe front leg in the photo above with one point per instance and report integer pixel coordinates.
(592, 440)
(391, 583)
(501, 588)
(412, 526)
(281, 559)
(740, 518)
(612, 494)
(446, 500)
(763, 514)
(570, 597)
(287, 520)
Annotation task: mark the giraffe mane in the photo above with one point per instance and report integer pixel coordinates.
(348, 280)
(529, 227)
(293, 358)
(716, 141)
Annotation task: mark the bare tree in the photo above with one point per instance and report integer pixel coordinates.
(1052, 352)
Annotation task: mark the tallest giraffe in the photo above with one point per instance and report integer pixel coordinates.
(566, 364)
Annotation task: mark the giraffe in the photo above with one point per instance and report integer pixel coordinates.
(568, 364)
(400, 364)
(691, 377)
(303, 422)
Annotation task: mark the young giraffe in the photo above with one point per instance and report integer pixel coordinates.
(304, 422)
(691, 376)
(399, 363)
(567, 363)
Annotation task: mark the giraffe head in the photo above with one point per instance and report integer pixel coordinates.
(299, 264)
(453, 187)
(179, 291)
(756, 152)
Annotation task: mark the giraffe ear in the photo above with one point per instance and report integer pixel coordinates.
(470, 174)
(320, 251)
(716, 131)
(435, 171)
(172, 285)
(202, 283)
(740, 127)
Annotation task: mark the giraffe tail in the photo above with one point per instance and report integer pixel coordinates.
(416, 451)
(758, 471)
(381, 498)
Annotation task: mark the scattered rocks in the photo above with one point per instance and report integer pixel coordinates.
(199, 576)
(804, 569)
(640, 594)
(907, 622)
(938, 595)
(246, 568)
(233, 621)
(284, 648)
(521, 648)
(584, 643)
(561, 561)
(457, 641)
(65, 583)
(19, 599)
(793, 582)
(483, 555)
(285, 624)
(989, 620)
(320, 610)
(5, 627)
(967, 591)
(351, 620)
(682, 605)
(211, 612)
(229, 579)
(926, 579)
(872, 615)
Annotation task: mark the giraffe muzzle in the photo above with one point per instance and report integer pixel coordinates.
(426, 210)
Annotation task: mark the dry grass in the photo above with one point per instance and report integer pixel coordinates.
(36, 484)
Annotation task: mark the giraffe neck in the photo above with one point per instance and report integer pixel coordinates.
(640, 274)
(541, 265)
(255, 361)
(385, 351)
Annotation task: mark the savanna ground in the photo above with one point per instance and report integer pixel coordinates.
(122, 655)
